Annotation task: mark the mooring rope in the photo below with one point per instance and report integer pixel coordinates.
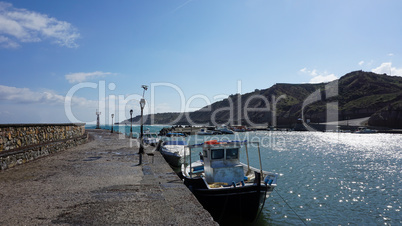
(262, 207)
(290, 207)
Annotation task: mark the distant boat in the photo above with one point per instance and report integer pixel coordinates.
(226, 187)
(225, 130)
(239, 129)
(174, 149)
(150, 138)
(365, 130)
(204, 131)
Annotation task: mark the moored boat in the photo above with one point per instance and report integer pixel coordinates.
(225, 130)
(226, 187)
(239, 128)
(204, 131)
(174, 149)
(365, 130)
(150, 138)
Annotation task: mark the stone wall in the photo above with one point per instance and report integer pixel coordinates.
(20, 143)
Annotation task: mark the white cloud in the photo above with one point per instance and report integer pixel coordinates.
(314, 72)
(21, 25)
(361, 63)
(46, 106)
(85, 76)
(8, 43)
(323, 78)
(319, 77)
(390, 54)
(25, 96)
(386, 68)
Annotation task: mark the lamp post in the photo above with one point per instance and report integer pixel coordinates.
(131, 120)
(97, 119)
(112, 123)
(142, 105)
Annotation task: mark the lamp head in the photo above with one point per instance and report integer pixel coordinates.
(131, 111)
(142, 103)
(112, 115)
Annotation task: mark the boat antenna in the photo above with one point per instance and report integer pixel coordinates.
(248, 163)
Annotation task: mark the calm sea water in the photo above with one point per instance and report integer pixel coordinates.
(334, 178)
(327, 178)
(126, 128)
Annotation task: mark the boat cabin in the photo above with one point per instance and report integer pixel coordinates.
(221, 162)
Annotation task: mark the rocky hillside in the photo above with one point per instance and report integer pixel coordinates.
(358, 94)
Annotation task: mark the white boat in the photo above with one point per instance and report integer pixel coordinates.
(225, 130)
(174, 149)
(204, 131)
(150, 138)
(365, 130)
(226, 187)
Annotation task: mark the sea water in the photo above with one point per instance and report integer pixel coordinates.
(325, 178)
(330, 178)
(125, 129)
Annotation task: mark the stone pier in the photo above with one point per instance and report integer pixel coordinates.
(98, 183)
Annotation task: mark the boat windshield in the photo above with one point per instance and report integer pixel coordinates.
(232, 153)
(217, 153)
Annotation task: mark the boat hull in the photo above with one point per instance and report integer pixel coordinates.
(174, 152)
(232, 202)
(172, 158)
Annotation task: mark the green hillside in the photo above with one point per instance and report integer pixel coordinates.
(358, 94)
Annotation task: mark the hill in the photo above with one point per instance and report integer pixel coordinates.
(355, 95)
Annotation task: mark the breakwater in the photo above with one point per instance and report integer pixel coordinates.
(98, 183)
(20, 143)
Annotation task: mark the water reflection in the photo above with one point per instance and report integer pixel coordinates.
(328, 178)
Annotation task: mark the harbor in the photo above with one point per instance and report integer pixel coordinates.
(248, 113)
(324, 177)
(351, 178)
(98, 183)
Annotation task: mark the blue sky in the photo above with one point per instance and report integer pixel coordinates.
(62, 60)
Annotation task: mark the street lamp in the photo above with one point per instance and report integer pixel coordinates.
(142, 105)
(97, 119)
(131, 120)
(112, 123)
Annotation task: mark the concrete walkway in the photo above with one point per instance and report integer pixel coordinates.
(98, 183)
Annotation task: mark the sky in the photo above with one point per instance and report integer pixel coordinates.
(61, 60)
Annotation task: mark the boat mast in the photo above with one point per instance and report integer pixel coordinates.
(191, 175)
(259, 156)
